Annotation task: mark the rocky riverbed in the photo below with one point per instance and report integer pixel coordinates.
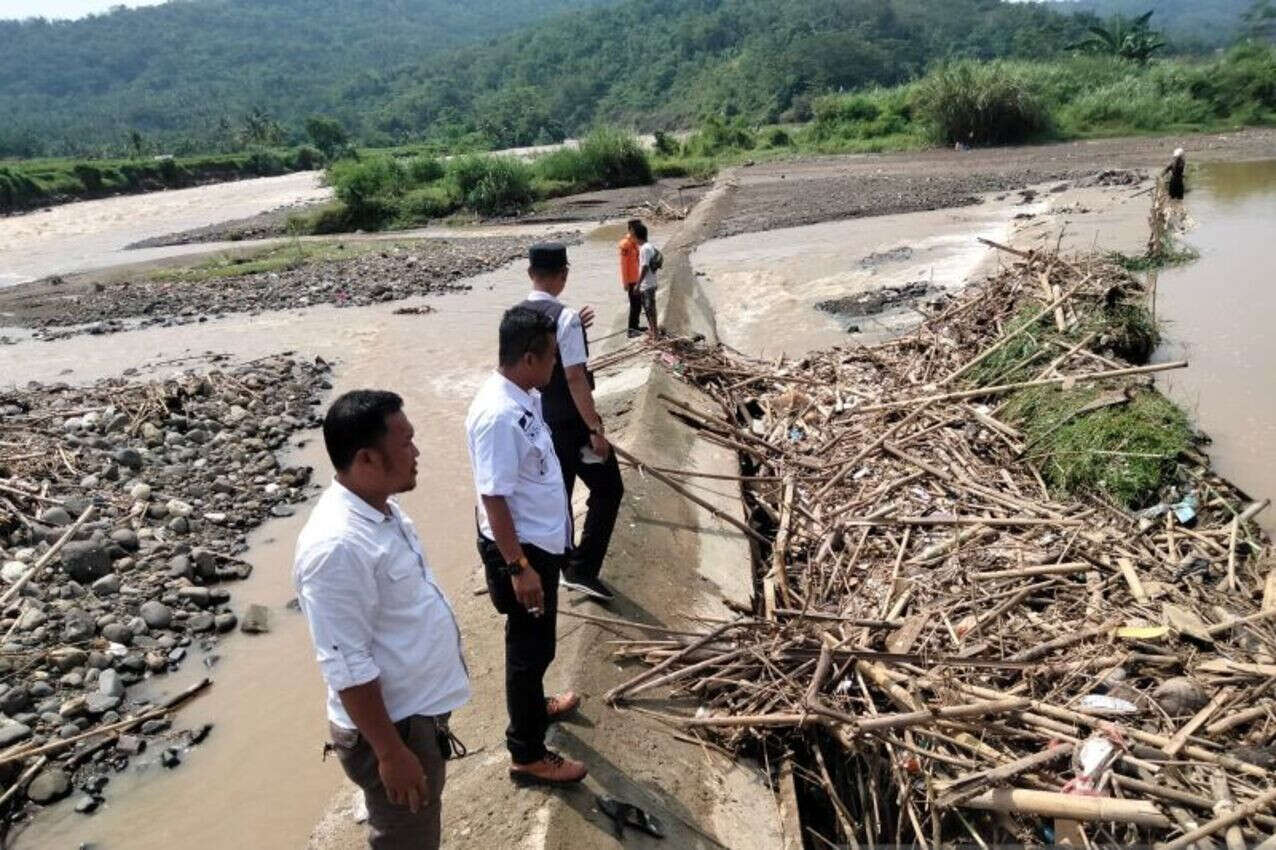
(58, 308)
(171, 475)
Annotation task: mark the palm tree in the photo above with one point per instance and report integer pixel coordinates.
(1127, 38)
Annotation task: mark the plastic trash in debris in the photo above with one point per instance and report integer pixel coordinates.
(796, 434)
(1091, 759)
(1106, 705)
(1185, 510)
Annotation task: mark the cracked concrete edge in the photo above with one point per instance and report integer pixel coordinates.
(735, 805)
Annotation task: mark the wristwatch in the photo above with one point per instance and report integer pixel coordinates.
(513, 569)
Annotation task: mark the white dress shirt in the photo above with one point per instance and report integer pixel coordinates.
(571, 334)
(375, 610)
(512, 453)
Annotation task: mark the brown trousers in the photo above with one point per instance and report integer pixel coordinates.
(392, 827)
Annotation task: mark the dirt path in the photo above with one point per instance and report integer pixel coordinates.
(838, 187)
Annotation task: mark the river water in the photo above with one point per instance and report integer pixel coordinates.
(1218, 313)
(258, 781)
(92, 234)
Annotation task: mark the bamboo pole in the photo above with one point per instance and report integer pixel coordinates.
(1054, 805)
(1006, 388)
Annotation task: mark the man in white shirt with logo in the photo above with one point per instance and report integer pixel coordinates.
(524, 534)
(387, 641)
(567, 404)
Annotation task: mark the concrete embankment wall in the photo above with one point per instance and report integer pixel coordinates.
(669, 559)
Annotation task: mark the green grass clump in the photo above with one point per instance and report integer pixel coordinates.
(492, 185)
(980, 103)
(1129, 331)
(428, 202)
(276, 258)
(691, 167)
(606, 159)
(1171, 254)
(1127, 451)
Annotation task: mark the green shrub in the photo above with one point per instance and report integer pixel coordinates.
(306, 158)
(666, 145)
(606, 159)
(777, 137)
(265, 163)
(716, 137)
(492, 185)
(695, 168)
(980, 104)
(357, 181)
(424, 169)
(424, 203)
(1139, 103)
(90, 176)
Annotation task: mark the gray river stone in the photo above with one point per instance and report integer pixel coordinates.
(118, 633)
(256, 620)
(12, 733)
(156, 614)
(52, 784)
(56, 515)
(86, 561)
(128, 458)
(110, 684)
(108, 585)
(77, 626)
(100, 703)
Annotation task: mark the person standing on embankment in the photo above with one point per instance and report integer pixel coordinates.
(629, 277)
(1178, 164)
(577, 429)
(524, 530)
(387, 640)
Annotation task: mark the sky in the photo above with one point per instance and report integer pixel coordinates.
(63, 8)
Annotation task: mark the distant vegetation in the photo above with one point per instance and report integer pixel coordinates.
(188, 77)
(380, 190)
(26, 184)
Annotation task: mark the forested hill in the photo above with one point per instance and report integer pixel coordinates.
(184, 75)
(1190, 24)
(191, 69)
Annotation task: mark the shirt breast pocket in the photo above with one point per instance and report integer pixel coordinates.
(404, 584)
(536, 465)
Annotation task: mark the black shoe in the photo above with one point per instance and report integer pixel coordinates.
(634, 333)
(585, 584)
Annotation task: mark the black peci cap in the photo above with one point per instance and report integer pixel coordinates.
(547, 256)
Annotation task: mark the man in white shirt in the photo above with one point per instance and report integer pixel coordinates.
(524, 533)
(647, 255)
(568, 405)
(386, 638)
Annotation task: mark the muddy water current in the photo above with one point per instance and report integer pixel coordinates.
(259, 781)
(92, 234)
(1219, 313)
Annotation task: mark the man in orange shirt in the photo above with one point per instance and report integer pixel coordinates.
(629, 277)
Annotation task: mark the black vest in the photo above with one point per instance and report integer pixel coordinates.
(561, 414)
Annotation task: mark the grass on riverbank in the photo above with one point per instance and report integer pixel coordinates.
(27, 184)
(284, 256)
(379, 192)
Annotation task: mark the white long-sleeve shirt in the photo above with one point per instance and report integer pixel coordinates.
(512, 454)
(375, 610)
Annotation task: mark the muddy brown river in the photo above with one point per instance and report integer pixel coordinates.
(1219, 312)
(259, 781)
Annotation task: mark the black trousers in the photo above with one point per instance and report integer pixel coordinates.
(635, 306)
(529, 647)
(605, 492)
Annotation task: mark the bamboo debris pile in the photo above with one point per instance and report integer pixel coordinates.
(951, 650)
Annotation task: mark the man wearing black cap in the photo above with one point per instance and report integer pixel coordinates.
(582, 449)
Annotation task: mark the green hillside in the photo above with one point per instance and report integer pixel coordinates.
(1190, 24)
(186, 73)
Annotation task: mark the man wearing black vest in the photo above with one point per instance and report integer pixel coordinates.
(577, 429)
